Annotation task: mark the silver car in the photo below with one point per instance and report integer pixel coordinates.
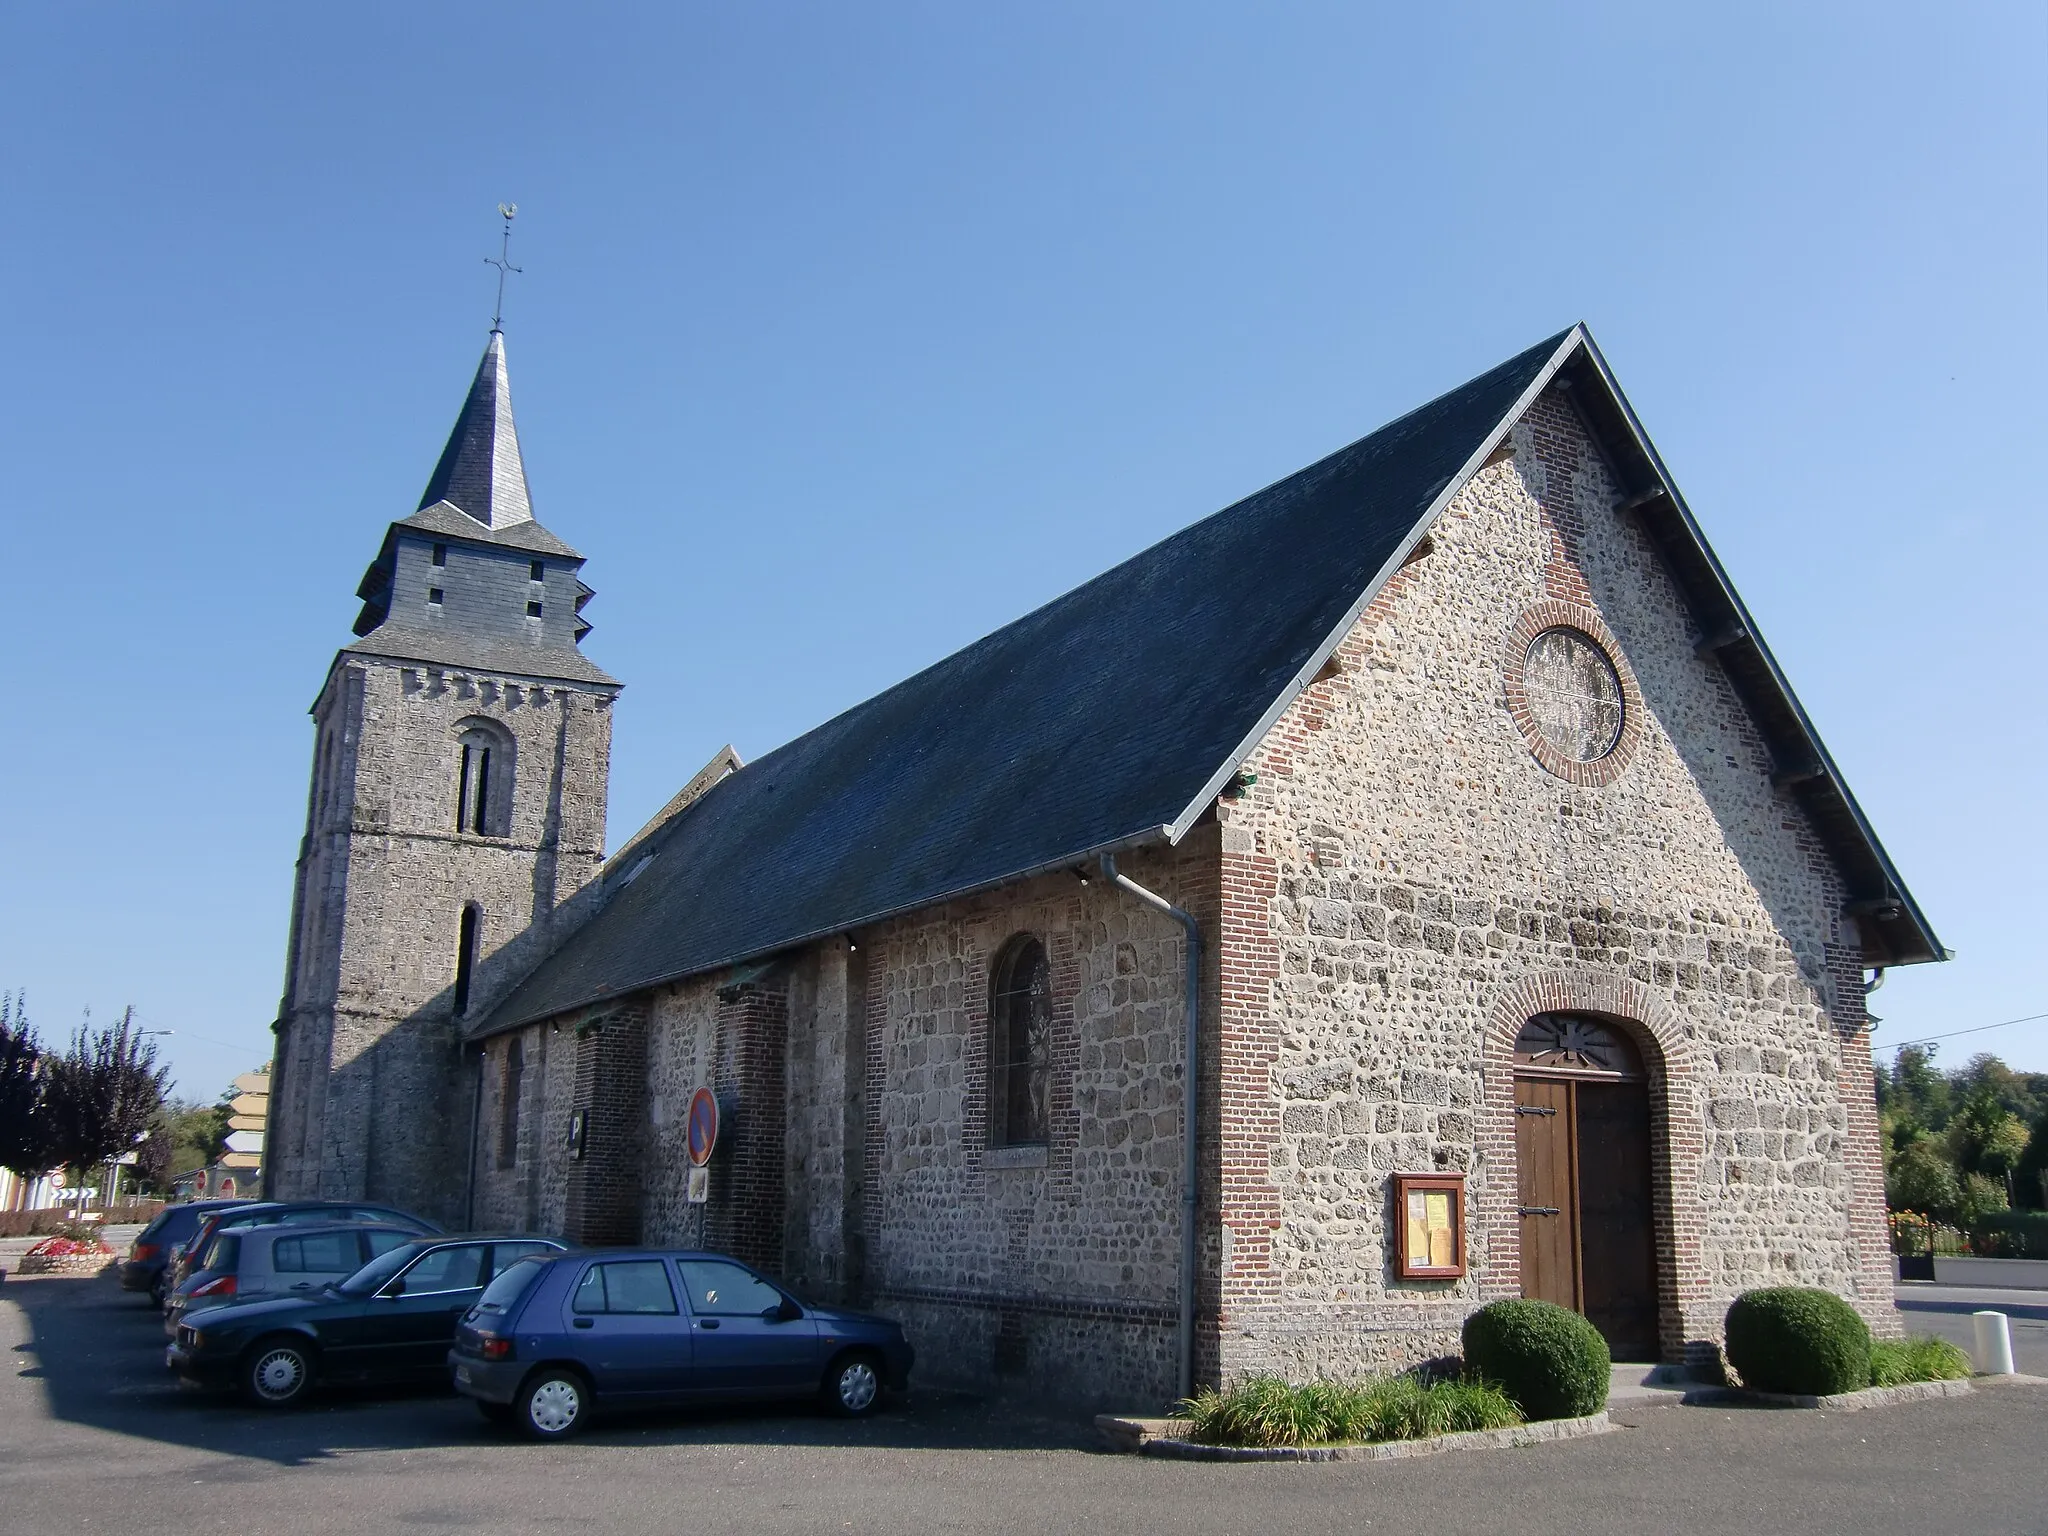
(282, 1259)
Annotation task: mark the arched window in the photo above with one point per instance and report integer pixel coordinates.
(466, 937)
(1020, 1044)
(1577, 1043)
(483, 780)
(508, 1102)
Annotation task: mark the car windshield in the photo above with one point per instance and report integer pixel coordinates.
(502, 1293)
(371, 1277)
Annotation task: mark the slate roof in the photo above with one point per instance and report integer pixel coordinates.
(477, 495)
(1110, 717)
(481, 471)
(481, 653)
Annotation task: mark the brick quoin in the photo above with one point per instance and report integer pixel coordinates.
(746, 1216)
(611, 1091)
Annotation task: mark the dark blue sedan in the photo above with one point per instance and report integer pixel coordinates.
(552, 1339)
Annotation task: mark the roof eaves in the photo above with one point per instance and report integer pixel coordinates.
(1323, 652)
(1930, 947)
(493, 1024)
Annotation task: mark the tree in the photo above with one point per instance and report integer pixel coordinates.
(1986, 1139)
(2030, 1177)
(1920, 1178)
(25, 1143)
(102, 1093)
(1914, 1092)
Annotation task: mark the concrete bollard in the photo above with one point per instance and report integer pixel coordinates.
(1994, 1344)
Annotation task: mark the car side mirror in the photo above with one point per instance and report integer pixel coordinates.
(393, 1289)
(784, 1311)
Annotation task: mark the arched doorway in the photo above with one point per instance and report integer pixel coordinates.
(1582, 1145)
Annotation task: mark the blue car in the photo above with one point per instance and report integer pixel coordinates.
(552, 1339)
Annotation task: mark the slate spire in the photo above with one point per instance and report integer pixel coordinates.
(481, 472)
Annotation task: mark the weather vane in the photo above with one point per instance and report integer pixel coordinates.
(502, 261)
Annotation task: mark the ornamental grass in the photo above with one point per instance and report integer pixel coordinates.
(1268, 1411)
(1895, 1362)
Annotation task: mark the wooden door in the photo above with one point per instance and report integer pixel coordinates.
(1618, 1261)
(1546, 1154)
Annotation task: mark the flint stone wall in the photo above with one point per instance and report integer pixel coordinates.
(1404, 866)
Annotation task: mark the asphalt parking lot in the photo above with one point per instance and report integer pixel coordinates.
(94, 1436)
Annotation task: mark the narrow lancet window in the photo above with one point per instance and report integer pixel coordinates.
(1020, 1045)
(465, 956)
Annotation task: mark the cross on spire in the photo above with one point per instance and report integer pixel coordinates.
(502, 261)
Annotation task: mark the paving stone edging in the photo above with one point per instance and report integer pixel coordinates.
(1842, 1402)
(1540, 1433)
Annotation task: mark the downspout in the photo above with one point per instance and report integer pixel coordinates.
(1189, 1113)
(476, 1112)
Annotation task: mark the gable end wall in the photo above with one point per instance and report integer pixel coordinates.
(1405, 882)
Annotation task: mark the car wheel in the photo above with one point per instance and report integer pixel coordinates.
(853, 1385)
(277, 1373)
(552, 1405)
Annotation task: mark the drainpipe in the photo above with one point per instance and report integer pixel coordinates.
(476, 1114)
(1189, 1113)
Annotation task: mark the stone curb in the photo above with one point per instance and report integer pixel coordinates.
(1540, 1433)
(1842, 1402)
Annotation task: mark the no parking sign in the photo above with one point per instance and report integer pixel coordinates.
(701, 1130)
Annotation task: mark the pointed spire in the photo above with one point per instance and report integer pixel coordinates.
(481, 472)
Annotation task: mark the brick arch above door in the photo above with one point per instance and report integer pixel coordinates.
(1676, 1141)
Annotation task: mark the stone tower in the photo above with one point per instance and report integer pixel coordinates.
(461, 748)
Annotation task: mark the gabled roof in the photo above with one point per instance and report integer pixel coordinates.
(1108, 718)
(480, 471)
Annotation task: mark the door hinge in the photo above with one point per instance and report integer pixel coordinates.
(1541, 1210)
(1534, 1109)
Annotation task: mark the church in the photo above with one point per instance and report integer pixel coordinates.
(1412, 885)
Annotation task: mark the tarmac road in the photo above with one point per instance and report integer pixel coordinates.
(93, 1436)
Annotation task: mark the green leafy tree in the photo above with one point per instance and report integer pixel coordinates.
(102, 1093)
(1987, 1139)
(1982, 1195)
(2030, 1176)
(25, 1142)
(1920, 1178)
(1913, 1092)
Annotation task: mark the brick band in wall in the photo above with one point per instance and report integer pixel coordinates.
(604, 1188)
(747, 1215)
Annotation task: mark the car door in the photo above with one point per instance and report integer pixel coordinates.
(412, 1318)
(747, 1342)
(625, 1325)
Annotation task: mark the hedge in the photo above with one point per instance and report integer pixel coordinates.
(1551, 1363)
(1792, 1339)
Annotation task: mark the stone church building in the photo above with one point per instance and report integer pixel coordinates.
(1441, 803)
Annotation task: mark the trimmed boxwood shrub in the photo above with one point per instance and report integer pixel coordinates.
(1789, 1338)
(1552, 1363)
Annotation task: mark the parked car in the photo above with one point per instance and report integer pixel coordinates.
(390, 1322)
(286, 1259)
(551, 1340)
(263, 1211)
(149, 1256)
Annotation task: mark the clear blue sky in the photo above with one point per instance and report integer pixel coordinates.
(849, 332)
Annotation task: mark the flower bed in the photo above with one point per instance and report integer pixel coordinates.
(67, 1255)
(1265, 1412)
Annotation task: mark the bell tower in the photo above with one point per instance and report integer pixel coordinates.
(461, 751)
